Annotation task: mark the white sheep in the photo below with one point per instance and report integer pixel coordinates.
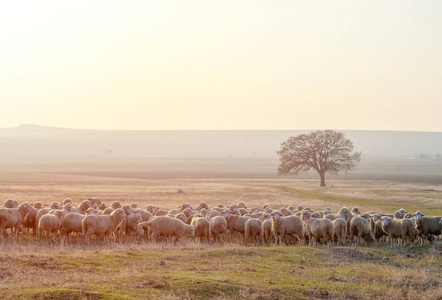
(50, 224)
(290, 225)
(317, 229)
(168, 227)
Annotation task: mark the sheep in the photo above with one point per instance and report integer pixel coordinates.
(172, 213)
(12, 218)
(408, 231)
(55, 205)
(253, 216)
(30, 220)
(184, 206)
(161, 213)
(102, 206)
(131, 228)
(67, 208)
(399, 214)
(168, 227)
(355, 211)
(212, 213)
(396, 228)
(427, 225)
(51, 225)
(317, 228)
(218, 227)
(95, 202)
(376, 227)
(10, 204)
(290, 225)
(253, 231)
(343, 213)
(152, 209)
(39, 214)
(235, 210)
(108, 210)
(81, 209)
(37, 205)
(102, 226)
(202, 228)
(115, 205)
(339, 231)
(182, 217)
(267, 234)
(243, 211)
(284, 211)
(360, 228)
(66, 201)
(235, 223)
(71, 222)
(127, 209)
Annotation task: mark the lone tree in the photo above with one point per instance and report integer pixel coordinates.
(322, 150)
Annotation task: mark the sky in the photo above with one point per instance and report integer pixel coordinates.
(222, 65)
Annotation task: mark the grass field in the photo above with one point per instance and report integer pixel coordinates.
(31, 270)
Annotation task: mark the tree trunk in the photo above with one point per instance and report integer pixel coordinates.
(322, 174)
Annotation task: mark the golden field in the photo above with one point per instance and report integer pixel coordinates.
(30, 269)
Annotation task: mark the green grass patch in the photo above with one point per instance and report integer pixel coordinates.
(231, 272)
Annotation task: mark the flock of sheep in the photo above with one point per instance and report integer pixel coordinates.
(93, 221)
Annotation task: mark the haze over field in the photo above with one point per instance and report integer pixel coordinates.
(223, 65)
(201, 154)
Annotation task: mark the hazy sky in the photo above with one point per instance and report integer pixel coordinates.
(181, 64)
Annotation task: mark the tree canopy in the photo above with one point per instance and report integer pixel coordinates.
(323, 151)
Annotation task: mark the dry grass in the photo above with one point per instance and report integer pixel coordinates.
(31, 270)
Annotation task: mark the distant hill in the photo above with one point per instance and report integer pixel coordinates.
(32, 141)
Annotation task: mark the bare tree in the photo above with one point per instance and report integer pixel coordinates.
(323, 151)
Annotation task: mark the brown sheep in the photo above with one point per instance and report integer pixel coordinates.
(376, 227)
(360, 228)
(102, 225)
(37, 205)
(50, 224)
